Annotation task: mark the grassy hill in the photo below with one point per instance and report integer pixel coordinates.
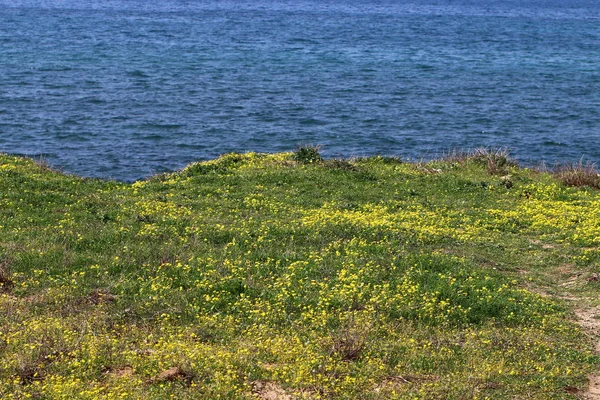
(280, 276)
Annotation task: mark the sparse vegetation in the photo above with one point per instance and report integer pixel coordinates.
(260, 275)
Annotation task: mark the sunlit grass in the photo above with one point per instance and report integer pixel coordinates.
(256, 275)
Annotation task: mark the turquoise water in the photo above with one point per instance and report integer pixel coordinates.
(125, 89)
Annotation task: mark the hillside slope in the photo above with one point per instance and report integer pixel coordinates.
(279, 276)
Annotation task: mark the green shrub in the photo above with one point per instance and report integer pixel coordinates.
(308, 154)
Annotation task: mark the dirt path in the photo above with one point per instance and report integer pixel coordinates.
(589, 319)
(586, 310)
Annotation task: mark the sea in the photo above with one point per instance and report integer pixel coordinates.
(125, 89)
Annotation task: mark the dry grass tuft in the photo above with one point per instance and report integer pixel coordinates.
(457, 157)
(497, 161)
(29, 373)
(33, 369)
(6, 283)
(43, 164)
(100, 296)
(578, 174)
(349, 343)
(337, 163)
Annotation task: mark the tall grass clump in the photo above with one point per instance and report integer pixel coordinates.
(578, 174)
(496, 161)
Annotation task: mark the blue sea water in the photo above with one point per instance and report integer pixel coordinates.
(125, 89)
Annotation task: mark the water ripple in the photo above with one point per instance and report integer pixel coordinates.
(123, 89)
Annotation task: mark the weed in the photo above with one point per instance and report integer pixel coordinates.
(308, 154)
(34, 368)
(29, 373)
(349, 342)
(427, 169)
(43, 165)
(578, 174)
(100, 296)
(340, 164)
(6, 283)
(496, 161)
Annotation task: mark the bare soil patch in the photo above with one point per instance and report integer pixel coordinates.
(122, 372)
(266, 390)
(588, 318)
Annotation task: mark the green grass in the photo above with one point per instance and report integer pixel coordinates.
(309, 278)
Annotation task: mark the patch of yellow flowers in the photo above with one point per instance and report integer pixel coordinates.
(324, 299)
